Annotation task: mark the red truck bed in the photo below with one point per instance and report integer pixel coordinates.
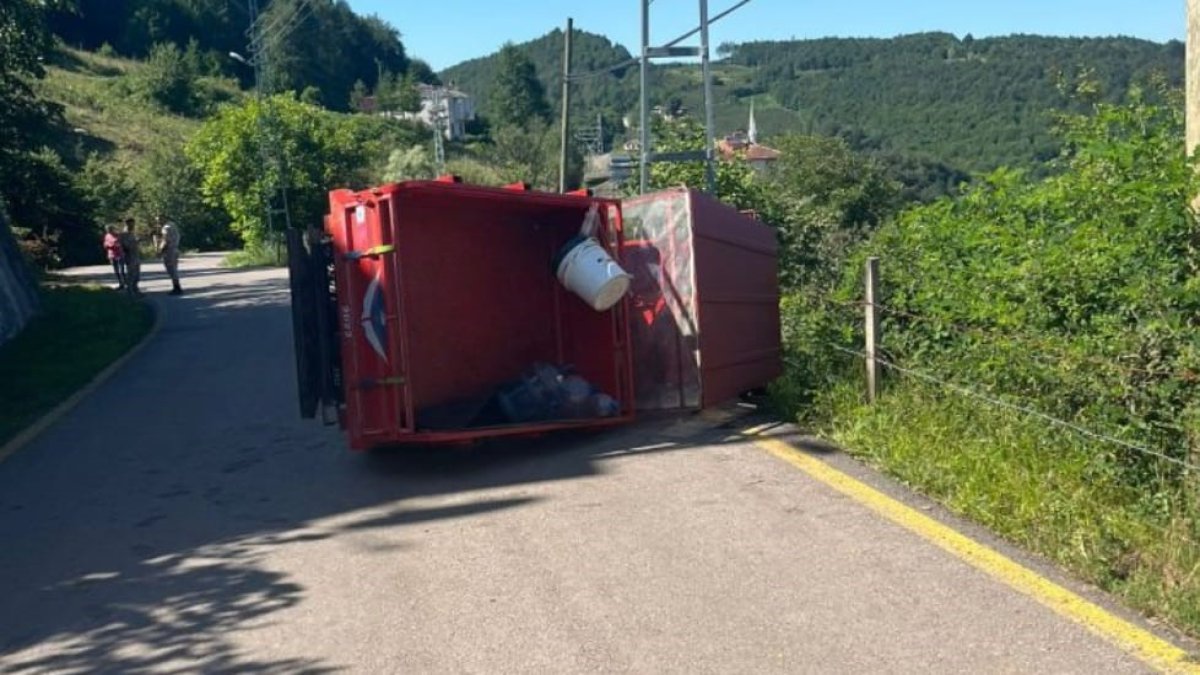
(445, 293)
(420, 309)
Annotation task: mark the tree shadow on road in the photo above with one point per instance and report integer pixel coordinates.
(142, 549)
(167, 613)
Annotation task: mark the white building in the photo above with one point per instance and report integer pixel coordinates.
(451, 108)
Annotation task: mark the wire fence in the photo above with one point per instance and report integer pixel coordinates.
(1170, 530)
(1026, 410)
(876, 355)
(1048, 351)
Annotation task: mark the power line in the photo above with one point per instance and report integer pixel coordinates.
(632, 61)
(282, 26)
(711, 21)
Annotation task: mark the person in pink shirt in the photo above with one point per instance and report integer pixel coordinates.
(116, 254)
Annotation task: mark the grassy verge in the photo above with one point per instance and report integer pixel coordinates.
(79, 332)
(256, 255)
(1045, 489)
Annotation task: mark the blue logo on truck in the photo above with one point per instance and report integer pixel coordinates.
(374, 319)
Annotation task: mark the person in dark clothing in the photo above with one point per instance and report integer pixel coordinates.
(133, 257)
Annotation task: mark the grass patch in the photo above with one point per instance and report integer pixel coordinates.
(101, 108)
(257, 255)
(99, 99)
(1045, 489)
(80, 331)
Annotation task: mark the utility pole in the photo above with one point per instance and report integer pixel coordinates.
(273, 164)
(710, 171)
(670, 51)
(644, 115)
(565, 134)
(439, 145)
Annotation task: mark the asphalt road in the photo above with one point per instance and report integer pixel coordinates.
(183, 518)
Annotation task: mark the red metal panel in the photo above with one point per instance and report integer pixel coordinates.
(737, 286)
(706, 300)
(661, 259)
(372, 345)
(451, 295)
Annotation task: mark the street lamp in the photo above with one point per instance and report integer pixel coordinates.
(239, 58)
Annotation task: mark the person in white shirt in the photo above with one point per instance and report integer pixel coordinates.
(168, 247)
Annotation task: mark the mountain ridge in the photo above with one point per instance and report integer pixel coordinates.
(972, 103)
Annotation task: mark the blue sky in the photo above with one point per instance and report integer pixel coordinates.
(446, 32)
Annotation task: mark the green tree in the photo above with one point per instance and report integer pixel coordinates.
(422, 72)
(518, 97)
(311, 95)
(48, 214)
(167, 183)
(244, 152)
(24, 117)
(107, 188)
(412, 163)
(388, 92)
(168, 79)
(397, 93)
(526, 154)
(832, 200)
(235, 152)
(408, 97)
(736, 181)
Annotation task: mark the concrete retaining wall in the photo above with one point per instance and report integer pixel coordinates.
(18, 288)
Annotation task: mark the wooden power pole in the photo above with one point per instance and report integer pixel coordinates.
(565, 129)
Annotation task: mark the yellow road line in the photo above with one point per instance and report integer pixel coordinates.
(1143, 644)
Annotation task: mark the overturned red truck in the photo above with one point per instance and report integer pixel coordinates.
(435, 312)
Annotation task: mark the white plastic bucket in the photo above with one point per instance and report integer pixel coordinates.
(588, 271)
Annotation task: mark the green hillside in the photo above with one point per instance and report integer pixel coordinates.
(99, 108)
(612, 93)
(971, 104)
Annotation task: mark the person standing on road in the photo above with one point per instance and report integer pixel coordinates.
(133, 257)
(168, 247)
(116, 255)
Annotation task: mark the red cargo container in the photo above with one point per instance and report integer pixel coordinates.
(705, 325)
(441, 294)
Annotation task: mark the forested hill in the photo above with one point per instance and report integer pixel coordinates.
(614, 93)
(326, 48)
(971, 104)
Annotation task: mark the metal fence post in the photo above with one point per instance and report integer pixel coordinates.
(872, 328)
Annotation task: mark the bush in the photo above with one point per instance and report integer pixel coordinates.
(169, 185)
(49, 214)
(167, 79)
(413, 163)
(1079, 294)
(1076, 296)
